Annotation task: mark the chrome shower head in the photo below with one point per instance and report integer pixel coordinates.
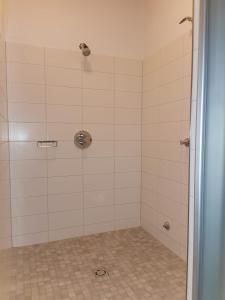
(85, 49)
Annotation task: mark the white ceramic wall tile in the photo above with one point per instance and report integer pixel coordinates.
(151, 81)
(63, 58)
(172, 91)
(64, 150)
(65, 219)
(165, 119)
(127, 223)
(54, 93)
(128, 66)
(3, 109)
(25, 73)
(100, 132)
(26, 92)
(23, 53)
(98, 214)
(127, 148)
(98, 165)
(27, 131)
(101, 98)
(127, 180)
(172, 51)
(63, 77)
(30, 239)
(127, 195)
(24, 112)
(65, 202)
(64, 167)
(29, 206)
(128, 99)
(128, 211)
(171, 71)
(6, 243)
(64, 185)
(62, 131)
(64, 95)
(128, 132)
(5, 201)
(98, 115)
(4, 170)
(28, 187)
(126, 116)
(4, 131)
(97, 182)
(63, 114)
(127, 164)
(5, 189)
(29, 224)
(98, 198)
(170, 112)
(170, 131)
(98, 63)
(26, 150)
(65, 233)
(187, 64)
(5, 205)
(128, 83)
(28, 169)
(5, 228)
(99, 227)
(95, 80)
(100, 149)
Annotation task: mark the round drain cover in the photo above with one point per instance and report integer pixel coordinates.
(101, 272)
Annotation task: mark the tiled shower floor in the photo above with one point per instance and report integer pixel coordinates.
(139, 268)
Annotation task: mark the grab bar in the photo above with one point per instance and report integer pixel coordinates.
(47, 144)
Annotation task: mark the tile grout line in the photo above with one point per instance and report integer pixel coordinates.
(46, 135)
(141, 144)
(82, 151)
(114, 143)
(9, 152)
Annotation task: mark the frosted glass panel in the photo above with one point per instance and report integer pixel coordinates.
(212, 235)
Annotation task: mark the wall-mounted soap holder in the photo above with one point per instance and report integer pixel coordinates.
(47, 144)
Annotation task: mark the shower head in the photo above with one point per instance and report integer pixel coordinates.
(189, 19)
(85, 49)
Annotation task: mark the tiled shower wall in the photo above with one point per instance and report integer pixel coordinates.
(65, 192)
(165, 163)
(5, 210)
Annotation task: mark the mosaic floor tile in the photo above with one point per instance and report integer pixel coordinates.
(138, 266)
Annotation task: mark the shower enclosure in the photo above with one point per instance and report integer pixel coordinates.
(208, 280)
(95, 140)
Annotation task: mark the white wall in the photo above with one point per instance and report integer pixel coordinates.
(165, 163)
(118, 28)
(165, 121)
(65, 192)
(109, 27)
(162, 21)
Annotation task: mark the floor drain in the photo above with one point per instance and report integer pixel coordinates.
(101, 272)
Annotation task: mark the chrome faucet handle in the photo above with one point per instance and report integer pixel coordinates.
(185, 142)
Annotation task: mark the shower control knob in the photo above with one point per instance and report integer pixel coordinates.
(82, 139)
(185, 142)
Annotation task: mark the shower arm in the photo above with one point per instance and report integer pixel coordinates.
(186, 19)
